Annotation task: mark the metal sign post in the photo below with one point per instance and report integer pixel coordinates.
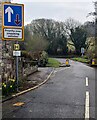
(13, 27)
(17, 53)
(17, 71)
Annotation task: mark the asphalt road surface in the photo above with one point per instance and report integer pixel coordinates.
(70, 93)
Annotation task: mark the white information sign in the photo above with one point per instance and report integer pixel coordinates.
(82, 50)
(17, 53)
(12, 33)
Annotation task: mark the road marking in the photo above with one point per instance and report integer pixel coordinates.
(58, 70)
(87, 106)
(61, 69)
(87, 81)
(55, 71)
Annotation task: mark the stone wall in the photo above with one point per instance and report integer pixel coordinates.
(7, 60)
(0, 58)
(0, 33)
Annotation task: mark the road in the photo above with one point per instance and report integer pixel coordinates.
(70, 93)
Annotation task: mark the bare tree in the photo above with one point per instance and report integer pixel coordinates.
(95, 15)
(36, 43)
(76, 33)
(53, 32)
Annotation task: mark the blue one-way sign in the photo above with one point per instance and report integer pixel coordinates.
(13, 21)
(13, 15)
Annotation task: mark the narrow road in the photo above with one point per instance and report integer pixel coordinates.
(70, 93)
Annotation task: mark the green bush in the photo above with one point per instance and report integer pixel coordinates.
(43, 59)
(79, 59)
(85, 57)
(53, 63)
(9, 87)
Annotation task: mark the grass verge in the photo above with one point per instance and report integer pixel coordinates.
(79, 59)
(53, 63)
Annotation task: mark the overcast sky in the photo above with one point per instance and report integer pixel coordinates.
(58, 10)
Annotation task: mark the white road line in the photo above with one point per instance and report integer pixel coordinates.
(62, 69)
(87, 81)
(59, 70)
(87, 106)
(55, 71)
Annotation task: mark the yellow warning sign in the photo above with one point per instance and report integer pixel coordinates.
(67, 62)
(16, 46)
(93, 61)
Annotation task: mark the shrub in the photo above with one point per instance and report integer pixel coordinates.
(43, 59)
(9, 87)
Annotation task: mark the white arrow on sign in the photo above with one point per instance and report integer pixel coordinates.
(9, 10)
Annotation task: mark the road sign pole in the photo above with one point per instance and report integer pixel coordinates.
(13, 27)
(82, 54)
(17, 70)
(82, 51)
